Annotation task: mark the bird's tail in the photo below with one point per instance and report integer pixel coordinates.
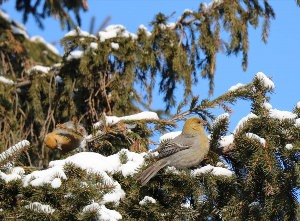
(151, 171)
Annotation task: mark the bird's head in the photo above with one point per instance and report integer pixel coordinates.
(194, 125)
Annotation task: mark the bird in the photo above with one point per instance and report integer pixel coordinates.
(66, 137)
(184, 151)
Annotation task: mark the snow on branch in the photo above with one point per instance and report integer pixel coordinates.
(267, 82)
(145, 115)
(282, 115)
(41, 40)
(289, 146)
(297, 122)
(217, 171)
(145, 30)
(39, 68)
(267, 105)
(256, 137)
(78, 32)
(243, 121)
(75, 55)
(6, 80)
(96, 164)
(113, 31)
(147, 199)
(13, 151)
(101, 212)
(15, 173)
(38, 207)
(15, 26)
(213, 3)
(42, 177)
(236, 87)
(221, 117)
(226, 141)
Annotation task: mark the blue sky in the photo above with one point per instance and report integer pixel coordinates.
(277, 59)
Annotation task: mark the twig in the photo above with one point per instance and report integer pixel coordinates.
(23, 83)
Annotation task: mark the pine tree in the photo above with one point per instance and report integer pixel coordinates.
(251, 174)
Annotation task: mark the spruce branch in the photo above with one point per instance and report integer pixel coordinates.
(23, 83)
(13, 152)
(202, 108)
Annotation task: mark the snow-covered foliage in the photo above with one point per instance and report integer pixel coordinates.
(38, 207)
(145, 115)
(281, 115)
(289, 146)
(172, 169)
(297, 122)
(75, 55)
(42, 177)
(39, 68)
(113, 31)
(115, 45)
(6, 80)
(145, 29)
(207, 6)
(217, 171)
(256, 137)
(236, 87)
(102, 212)
(9, 177)
(96, 163)
(19, 29)
(225, 141)
(93, 163)
(267, 82)
(11, 152)
(16, 27)
(79, 32)
(14, 173)
(268, 106)
(243, 120)
(147, 199)
(40, 39)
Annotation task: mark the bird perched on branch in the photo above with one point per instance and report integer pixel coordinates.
(66, 137)
(184, 151)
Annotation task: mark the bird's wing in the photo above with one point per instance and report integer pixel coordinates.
(168, 148)
(65, 135)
